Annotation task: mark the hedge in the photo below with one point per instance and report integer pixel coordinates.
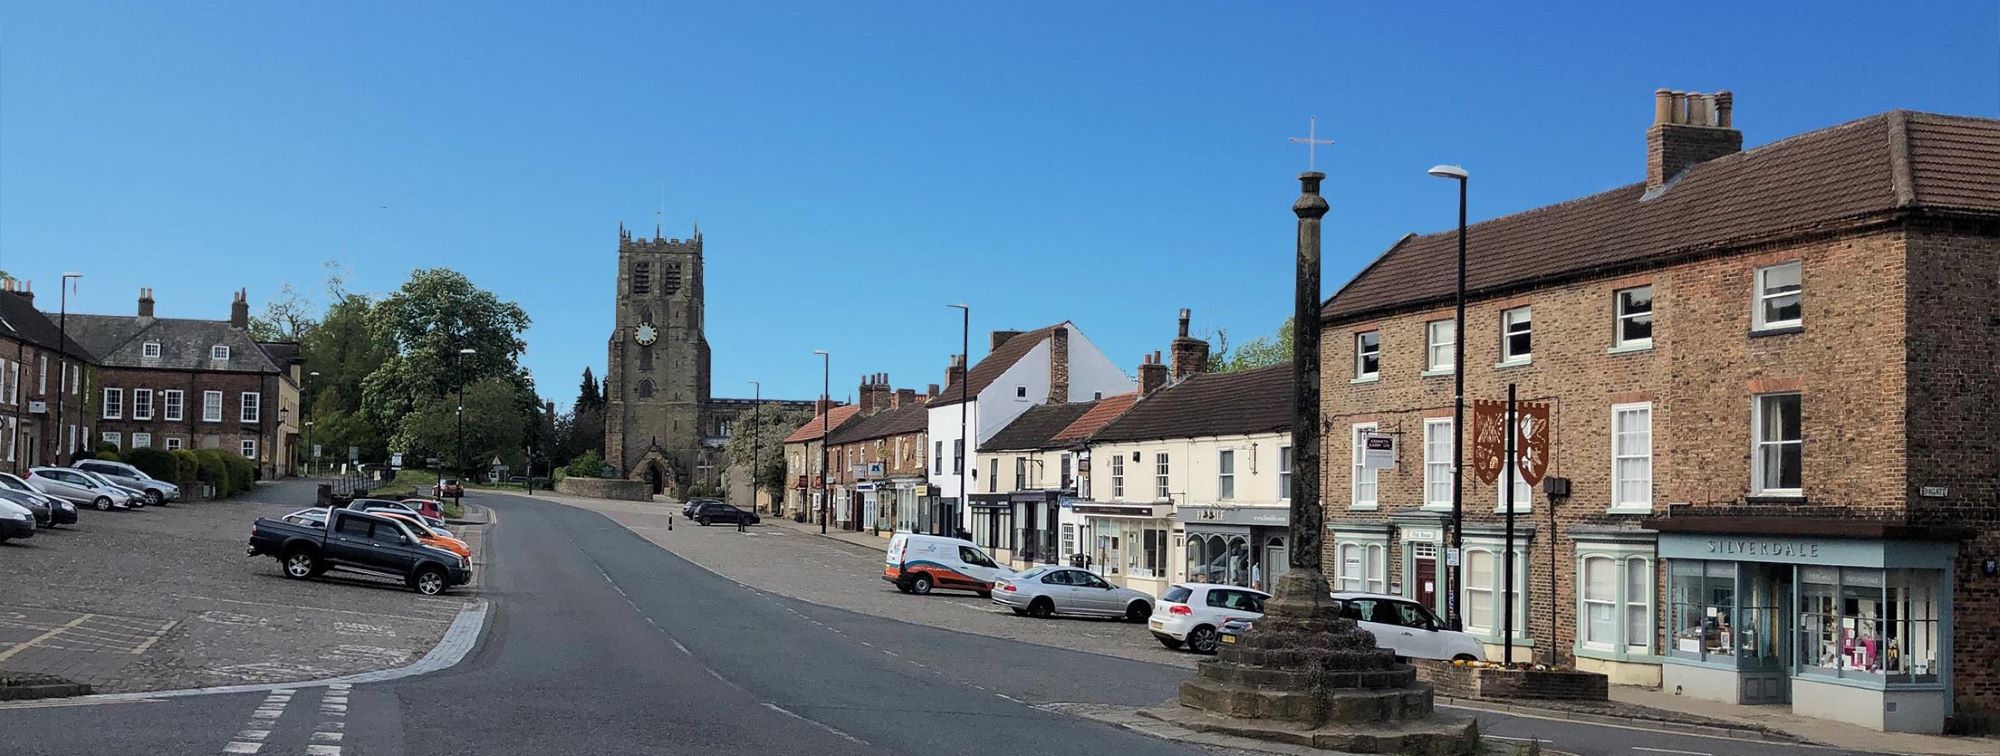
(158, 463)
(230, 473)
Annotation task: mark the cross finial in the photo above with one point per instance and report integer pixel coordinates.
(1312, 141)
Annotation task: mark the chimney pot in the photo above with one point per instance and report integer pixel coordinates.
(239, 310)
(146, 302)
(1697, 128)
(1152, 375)
(931, 391)
(1724, 101)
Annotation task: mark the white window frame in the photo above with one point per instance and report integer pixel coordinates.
(175, 443)
(1609, 603)
(1763, 296)
(219, 353)
(1117, 477)
(114, 404)
(1362, 353)
(1434, 362)
(1621, 316)
(1361, 566)
(14, 384)
(113, 438)
(248, 448)
(4, 393)
(1358, 499)
(251, 407)
(1635, 603)
(142, 410)
(1619, 503)
(1437, 464)
(1523, 316)
(1493, 549)
(1163, 466)
(1524, 494)
(150, 350)
(1757, 444)
(12, 437)
(42, 383)
(142, 440)
(1225, 474)
(173, 405)
(216, 415)
(1285, 473)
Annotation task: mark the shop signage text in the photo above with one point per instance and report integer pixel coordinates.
(1748, 547)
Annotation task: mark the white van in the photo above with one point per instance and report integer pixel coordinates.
(917, 563)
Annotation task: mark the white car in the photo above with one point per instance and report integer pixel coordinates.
(1407, 628)
(79, 488)
(154, 490)
(1191, 614)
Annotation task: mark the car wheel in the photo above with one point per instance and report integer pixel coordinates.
(1018, 611)
(1138, 611)
(1463, 657)
(1169, 642)
(1202, 639)
(301, 564)
(429, 581)
(903, 587)
(703, 521)
(921, 586)
(153, 498)
(103, 503)
(1041, 608)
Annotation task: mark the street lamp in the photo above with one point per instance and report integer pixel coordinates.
(756, 443)
(964, 377)
(460, 457)
(1456, 555)
(825, 430)
(62, 369)
(313, 467)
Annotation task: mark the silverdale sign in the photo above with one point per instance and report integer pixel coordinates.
(1753, 547)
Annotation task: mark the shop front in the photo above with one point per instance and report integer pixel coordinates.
(1127, 544)
(911, 497)
(1244, 546)
(993, 525)
(1035, 516)
(1849, 621)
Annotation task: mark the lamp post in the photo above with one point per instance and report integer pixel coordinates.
(825, 430)
(756, 441)
(312, 467)
(62, 363)
(459, 456)
(964, 377)
(1456, 574)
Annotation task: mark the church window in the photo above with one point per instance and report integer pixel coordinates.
(645, 358)
(646, 388)
(670, 279)
(642, 277)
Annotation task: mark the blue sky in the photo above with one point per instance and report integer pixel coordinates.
(857, 166)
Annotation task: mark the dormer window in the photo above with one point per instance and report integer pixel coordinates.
(219, 353)
(150, 350)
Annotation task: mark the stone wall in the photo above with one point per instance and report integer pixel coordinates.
(605, 488)
(1502, 684)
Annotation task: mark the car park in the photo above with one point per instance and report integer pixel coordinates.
(154, 490)
(918, 563)
(133, 496)
(360, 542)
(15, 521)
(1192, 614)
(78, 488)
(715, 511)
(1049, 591)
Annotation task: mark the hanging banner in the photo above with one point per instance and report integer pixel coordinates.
(1531, 448)
(1489, 442)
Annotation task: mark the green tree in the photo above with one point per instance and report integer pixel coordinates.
(426, 324)
(769, 427)
(583, 428)
(586, 465)
(1263, 351)
(287, 317)
(494, 426)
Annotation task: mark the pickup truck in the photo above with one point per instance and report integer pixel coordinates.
(357, 542)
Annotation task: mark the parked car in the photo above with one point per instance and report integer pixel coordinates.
(15, 521)
(715, 511)
(134, 497)
(448, 487)
(367, 504)
(123, 475)
(359, 542)
(429, 508)
(687, 509)
(427, 534)
(1191, 614)
(58, 511)
(77, 488)
(917, 563)
(1049, 591)
(1407, 628)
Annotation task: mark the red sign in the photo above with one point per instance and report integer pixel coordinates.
(1489, 444)
(1531, 447)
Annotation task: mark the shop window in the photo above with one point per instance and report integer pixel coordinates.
(1362, 567)
(1617, 604)
(1870, 624)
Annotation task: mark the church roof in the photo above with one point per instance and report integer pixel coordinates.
(995, 363)
(813, 429)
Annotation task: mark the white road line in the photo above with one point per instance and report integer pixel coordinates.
(262, 719)
(813, 722)
(236, 746)
(1670, 750)
(322, 750)
(679, 647)
(1522, 740)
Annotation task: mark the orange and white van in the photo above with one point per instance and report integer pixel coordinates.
(918, 563)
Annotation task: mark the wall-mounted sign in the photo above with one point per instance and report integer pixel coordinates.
(1378, 451)
(1935, 492)
(37, 408)
(875, 469)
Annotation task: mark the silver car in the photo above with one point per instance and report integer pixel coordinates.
(126, 476)
(1048, 591)
(79, 488)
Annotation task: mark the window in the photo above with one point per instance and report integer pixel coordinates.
(645, 388)
(42, 383)
(1362, 567)
(1780, 290)
(114, 403)
(1600, 602)
(1632, 457)
(1441, 345)
(1117, 477)
(14, 383)
(219, 353)
(1516, 335)
(1638, 605)
(1225, 474)
(1872, 624)
(253, 405)
(992, 475)
(937, 465)
(1020, 473)
(1483, 593)
(1634, 326)
(12, 437)
(173, 443)
(142, 404)
(1367, 354)
(150, 350)
(1365, 478)
(1780, 445)
(1020, 392)
(1437, 462)
(670, 284)
(142, 440)
(958, 456)
(1154, 541)
(1284, 473)
(211, 406)
(249, 449)
(170, 404)
(1160, 471)
(642, 278)
(112, 438)
(1616, 603)
(1524, 494)
(1065, 472)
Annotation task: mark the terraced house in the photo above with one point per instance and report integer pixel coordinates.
(179, 383)
(46, 409)
(878, 460)
(1775, 405)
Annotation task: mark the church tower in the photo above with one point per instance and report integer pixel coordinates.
(656, 380)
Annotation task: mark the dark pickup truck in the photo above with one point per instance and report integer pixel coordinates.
(358, 542)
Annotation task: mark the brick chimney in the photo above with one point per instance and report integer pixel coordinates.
(239, 310)
(1152, 375)
(874, 393)
(1001, 337)
(821, 405)
(1688, 128)
(146, 303)
(931, 391)
(906, 398)
(955, 373)
(1059, 365)
(1190, 354)
(26, 289)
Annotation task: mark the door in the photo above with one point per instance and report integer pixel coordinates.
(1064, 589)
(1423, 585)
(1277, 560)
(349, 539)
(1094, 593)
(1369, 614)
(1413, 626)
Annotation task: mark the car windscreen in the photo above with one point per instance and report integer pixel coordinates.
(1177, 594)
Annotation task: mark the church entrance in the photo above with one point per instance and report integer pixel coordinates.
(655, 480)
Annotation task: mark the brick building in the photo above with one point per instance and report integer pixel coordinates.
(36, 383)
(199, 384)
(1774, 387)
(802, 456)
(878, 460)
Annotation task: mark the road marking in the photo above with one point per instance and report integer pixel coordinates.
(322, 750)
(53, 632)
(154, 638)
(813, 722)
(1670, 750)
(1523, 740)
(262, 720)
(677, 644)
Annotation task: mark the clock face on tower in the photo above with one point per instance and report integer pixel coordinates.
(645, 334)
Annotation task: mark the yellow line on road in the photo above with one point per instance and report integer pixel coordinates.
(155, 638)
(19, 647)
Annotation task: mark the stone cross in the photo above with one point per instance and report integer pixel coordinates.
(1312, 142)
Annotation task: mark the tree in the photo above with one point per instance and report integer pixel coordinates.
(768, 427)
(425, 324)
(590, 394)
(1263, 351)
(287, 317)
(494, 426)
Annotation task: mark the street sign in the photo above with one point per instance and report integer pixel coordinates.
(396, 459)
(315, 451)
(1378, 451)
(1451, 557)
(354, 454)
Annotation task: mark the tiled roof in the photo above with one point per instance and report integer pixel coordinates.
(1101, 414)
(119, 341)
(996, 362)
(1851, 172)
(1036, 428)
(1210, 404)
(283, 353)
(909, 418)
(20, 319)
(810, 431)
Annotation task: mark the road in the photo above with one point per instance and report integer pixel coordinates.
(599, 641)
